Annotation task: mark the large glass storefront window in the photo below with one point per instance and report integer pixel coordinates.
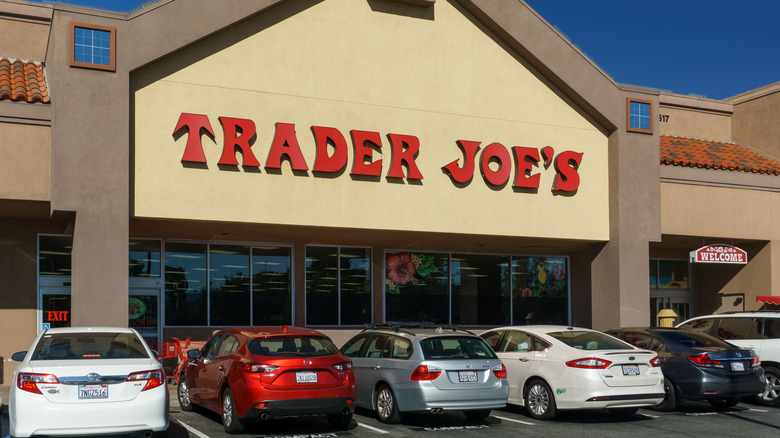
(54, 255)
(271, 285)
(227, 285)
(475, 289)
(338, 285)
(144, 258)
(229, 279)
(540, 290)
(417, 287)
(186, 280)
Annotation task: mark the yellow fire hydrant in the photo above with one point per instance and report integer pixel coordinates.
(666, 318)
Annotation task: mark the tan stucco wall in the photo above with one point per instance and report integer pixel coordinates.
(22, 39)
(434, 79)
(755, 124)
(25, 162)
(698, 210)
(695, 124)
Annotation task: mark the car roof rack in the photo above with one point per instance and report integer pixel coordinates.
(736, 312)
(407, 327)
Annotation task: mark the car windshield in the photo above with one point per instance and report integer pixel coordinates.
(586, 340)
(455, 347)
(694, 339)
(292, 346)
(88, 345)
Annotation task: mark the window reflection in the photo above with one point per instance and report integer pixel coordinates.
(54, 255)
(229, 280)
(144, 258)
(480, 289)
(338, 286)
(185, 284)
(271, 285)
(540, 290)
(417, 287)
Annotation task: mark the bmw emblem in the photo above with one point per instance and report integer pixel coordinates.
(468, 364)
(93, 377)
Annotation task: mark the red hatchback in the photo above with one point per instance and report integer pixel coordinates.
(258, 373)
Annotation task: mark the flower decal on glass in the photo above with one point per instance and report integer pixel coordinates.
(408, 269)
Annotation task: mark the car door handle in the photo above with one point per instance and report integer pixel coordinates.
(222, 368)
(524, 359)
(375, 367)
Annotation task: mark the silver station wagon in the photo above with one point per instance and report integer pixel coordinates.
(399, 370)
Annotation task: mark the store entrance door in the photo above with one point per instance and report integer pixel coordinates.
(144, 313)
(679, 301)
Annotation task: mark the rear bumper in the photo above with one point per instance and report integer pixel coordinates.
(32, 414)
(300, 407)
(708, 385)
(423, 396)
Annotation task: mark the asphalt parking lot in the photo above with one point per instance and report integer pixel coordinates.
(693, 419)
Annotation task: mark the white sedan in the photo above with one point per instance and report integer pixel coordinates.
(88, 381)
(553, 368)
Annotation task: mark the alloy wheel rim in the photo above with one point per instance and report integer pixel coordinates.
(184, 393)
(227, 410)
(538, 399)
(772, 388)
(384, 404)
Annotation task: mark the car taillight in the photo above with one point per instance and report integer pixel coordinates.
(500, 371)
(754, 362)
(249, 367)
(589, 363)
(656, 362)
(422, 372)
(154, 378)
(29, 381)
(705, 361)
(343, 366)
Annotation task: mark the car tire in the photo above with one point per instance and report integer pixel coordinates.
(671, 401)
(386, 406)
(724, 403)
(539, 401)
(622, 412)
(183, 394)
(340, 421)
(479, 414)
(229, 415)
(770, 396)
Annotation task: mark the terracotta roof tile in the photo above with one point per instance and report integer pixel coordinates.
(22, 81)
(708, 154)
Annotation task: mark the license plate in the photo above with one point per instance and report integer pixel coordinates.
(737, 366)
(467, 376)
(305, 377)
(630, 370)
(93, 391)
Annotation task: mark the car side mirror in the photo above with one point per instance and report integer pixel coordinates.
(19, 356)
(193, 354)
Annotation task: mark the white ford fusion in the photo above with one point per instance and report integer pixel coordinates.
(88, 381)
(553, 368)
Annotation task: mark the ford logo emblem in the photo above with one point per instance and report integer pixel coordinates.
(631, 358)
(93, 377)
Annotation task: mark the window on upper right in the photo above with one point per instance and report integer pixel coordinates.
(639, 114)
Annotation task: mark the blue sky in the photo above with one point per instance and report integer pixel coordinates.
(710, 48)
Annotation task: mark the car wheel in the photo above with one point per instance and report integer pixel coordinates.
(386, 406)
(724, 403)
(229, 415)
(340, 421)
(183, 393)
(623, 412)
(539, 401)
(479, 414)
(670, 402)
(770, 396)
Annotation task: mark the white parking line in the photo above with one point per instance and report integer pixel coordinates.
(192, 430)
(515, 421)
(650, 416)
(375, 429)
(757, 410)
